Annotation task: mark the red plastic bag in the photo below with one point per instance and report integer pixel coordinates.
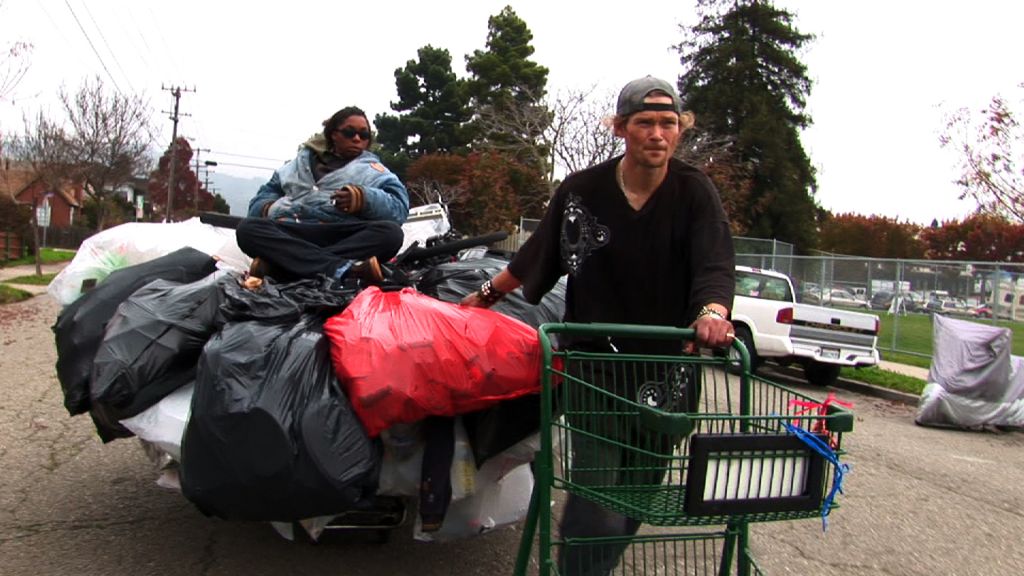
(402, 356)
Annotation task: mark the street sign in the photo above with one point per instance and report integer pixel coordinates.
(43, 214)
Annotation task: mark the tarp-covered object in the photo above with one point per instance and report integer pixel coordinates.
(403, 356)
(80, 326)
(974, 381)
(271, 436)
(153, 342)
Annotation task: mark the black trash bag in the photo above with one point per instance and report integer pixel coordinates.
(495, 429)
(271, 436)
(452, 281)
(284, 302)
(153, 342)
(80, 326)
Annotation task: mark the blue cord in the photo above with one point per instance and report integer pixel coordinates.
(838, 470)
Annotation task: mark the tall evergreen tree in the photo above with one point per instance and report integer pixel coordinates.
(435, 107)
(507, 89)
(743, 80)
(504, 73)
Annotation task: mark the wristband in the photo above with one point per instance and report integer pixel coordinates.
(489, 294)
(708, 311)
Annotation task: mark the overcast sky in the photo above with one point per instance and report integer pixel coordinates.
(265, 74)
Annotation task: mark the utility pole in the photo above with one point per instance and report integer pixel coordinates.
(195, 196)
(171, 184)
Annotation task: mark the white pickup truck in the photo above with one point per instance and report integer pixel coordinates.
(772, 325)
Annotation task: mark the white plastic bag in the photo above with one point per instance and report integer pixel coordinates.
(138, 242)
(495, 504)
(500, 496)
(163, 424)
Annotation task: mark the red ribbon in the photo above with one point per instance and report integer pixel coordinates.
(809, 407)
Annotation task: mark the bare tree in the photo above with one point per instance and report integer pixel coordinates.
(109, 139)
(430, 191)
(580, 133)
(991, 157)
(719, 158)
(101, 144)
(44, 147)
(518, 128)
(14, 64)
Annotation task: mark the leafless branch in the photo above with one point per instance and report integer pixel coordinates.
(14, 64)
(991, 157)
(580, 133)
(429, 191)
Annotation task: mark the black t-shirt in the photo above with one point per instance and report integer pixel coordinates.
(657, 265)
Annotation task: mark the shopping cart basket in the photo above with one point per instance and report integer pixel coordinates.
(675, 441)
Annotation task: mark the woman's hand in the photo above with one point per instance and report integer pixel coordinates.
(348, 199)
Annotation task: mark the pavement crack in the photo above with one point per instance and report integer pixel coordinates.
(209, 555)
(21, 531)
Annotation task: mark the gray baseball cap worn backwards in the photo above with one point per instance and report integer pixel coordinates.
(631, 98)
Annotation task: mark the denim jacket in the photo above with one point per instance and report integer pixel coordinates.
(298, 197)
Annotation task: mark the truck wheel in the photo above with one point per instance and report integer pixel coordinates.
(821, 374)
(743, 335)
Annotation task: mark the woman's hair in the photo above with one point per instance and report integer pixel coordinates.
(340, 116)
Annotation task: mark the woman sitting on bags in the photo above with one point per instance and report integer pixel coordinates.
(333, 210)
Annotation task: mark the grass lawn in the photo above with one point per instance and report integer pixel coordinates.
(911, 334)
(47, 256)
(885, 379)
(32, 279)
(907, 339)
(10, 294)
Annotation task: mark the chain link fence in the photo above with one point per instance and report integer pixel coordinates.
(904, 294)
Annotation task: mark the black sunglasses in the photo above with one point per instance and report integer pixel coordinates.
(350, 133)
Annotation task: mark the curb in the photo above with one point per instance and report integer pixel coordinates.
(878, 391)
(796, 374)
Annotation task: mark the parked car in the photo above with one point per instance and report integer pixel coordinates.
(913, 302)
(948, 308)
(982, 311)
(881, 300)
(842, 297)
(774, 327)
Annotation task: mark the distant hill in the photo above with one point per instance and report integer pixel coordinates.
(236, 191)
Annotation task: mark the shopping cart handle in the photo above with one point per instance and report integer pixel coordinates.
(672, 423)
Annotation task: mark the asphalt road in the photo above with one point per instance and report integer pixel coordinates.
(919, 501)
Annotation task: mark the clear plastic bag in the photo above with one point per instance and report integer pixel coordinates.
(138, 242)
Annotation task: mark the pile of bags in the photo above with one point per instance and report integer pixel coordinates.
(303, 401)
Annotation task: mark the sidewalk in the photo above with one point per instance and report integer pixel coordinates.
(906, 370)
(888, 393)
(9, 272)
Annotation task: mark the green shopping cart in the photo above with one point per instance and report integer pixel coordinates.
(694, 447)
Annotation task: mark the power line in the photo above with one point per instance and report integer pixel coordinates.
(219, 163)
(163, 40)
(246, 156)
(93, 46)
(107, 44)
